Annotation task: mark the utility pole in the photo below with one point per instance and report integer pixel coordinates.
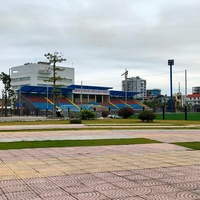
(185, 95)
(185, 86)
(126, 88)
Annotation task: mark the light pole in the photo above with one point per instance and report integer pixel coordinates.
(170, 63)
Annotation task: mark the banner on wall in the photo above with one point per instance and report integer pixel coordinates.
(87, 91)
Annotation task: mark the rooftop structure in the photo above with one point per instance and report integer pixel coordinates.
(35, 74)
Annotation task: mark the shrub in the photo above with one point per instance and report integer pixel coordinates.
(147, 115)
(87, 114)
(125, 112)
(75, 121)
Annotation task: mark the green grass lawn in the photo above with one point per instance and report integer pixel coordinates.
(191, 145)
(191, 116)
(106, 121)
(73, 143)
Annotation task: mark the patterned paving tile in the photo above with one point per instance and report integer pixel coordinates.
(105, 186)
(52, 193)
(3, 197)
(90, 196)
(187, 186)
(165, 188)
(131, 198)
(139, 190)
(65, 197)
(171, 180)
(185, 195)
(150, 182)
(27, 195)
(137, 177)
(159, 197)
(15, 188)
(4, 183)
(78, 189)
(126, 184)
(150, 171)
(116, 193)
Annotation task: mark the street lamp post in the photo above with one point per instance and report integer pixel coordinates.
(170, 63)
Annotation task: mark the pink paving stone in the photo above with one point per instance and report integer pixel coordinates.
(3, 197)
(22, 195)
(66, 197)
(116, 193)
(131, 198)
(15, 188)
(185, 195)
(175, 181)
(56, 192)
(159, 197)
(90, 196)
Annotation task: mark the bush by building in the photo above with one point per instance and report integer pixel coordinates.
(87, 114)
(147, 115)
(125, 112)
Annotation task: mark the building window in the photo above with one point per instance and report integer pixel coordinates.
(21, 79)
(42, 77)
(91, 96)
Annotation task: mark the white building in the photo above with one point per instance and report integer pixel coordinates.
(135, 84)
(34, 74)
(194, 98)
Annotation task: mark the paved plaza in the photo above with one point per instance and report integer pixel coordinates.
(147, 171)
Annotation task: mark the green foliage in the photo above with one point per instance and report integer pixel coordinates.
(147, 115)
(7, 91)
(87, 114)
(6, 80)
(151, 104)
(125, 112)
(75, 121)
(54, 58)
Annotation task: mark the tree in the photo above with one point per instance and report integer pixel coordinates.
(53, 59)
(125, 112)
(7, 91)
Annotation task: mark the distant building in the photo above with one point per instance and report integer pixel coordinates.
(196, 90)
(135, 84)
(34, 74)
(194, 98)
(153, 92)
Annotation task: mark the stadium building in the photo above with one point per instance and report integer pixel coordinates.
(38, 100)
(35, 97)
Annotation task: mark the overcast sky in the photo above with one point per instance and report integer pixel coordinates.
(102, 38)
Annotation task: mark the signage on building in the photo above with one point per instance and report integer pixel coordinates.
(89, 91)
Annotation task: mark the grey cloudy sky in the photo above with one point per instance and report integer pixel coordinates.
(100, 38)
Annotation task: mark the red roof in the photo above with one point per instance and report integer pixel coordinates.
(193, 95)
